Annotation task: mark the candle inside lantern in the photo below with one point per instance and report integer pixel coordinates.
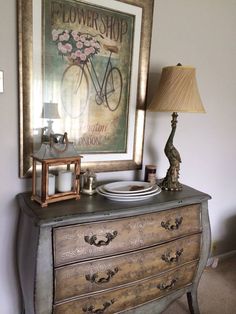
(64, 181)
(51, 184)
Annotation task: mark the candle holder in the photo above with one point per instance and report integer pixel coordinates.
(89, 182)
(56, 171)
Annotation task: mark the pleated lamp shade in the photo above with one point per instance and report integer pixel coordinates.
(50, 111)
(177, 91)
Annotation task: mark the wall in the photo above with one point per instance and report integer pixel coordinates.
(196, 32)
(200, 33)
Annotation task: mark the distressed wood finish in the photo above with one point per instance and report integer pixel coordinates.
(98, 256)
(86, 277)
(131, 296)
(132, 233)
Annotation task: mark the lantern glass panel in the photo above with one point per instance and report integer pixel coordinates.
(51, 182)
(38, 179)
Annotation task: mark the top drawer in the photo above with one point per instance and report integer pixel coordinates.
(90, 240)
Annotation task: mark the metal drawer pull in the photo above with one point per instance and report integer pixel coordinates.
(167, 286)
(92, 240)
(174, 258)
(94, 278)
(168, 226)
(90, 309)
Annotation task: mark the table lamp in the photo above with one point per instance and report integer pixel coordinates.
(50, 112)
(177, 92)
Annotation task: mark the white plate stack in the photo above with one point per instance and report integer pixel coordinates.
(128, 190)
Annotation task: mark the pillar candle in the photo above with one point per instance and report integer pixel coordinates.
(64, 181)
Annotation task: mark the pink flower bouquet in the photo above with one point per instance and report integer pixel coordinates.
(75, 46)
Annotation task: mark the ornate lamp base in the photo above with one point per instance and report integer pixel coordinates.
(168, 185)
(170, 182)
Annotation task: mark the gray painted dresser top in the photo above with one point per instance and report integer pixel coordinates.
(96, 207)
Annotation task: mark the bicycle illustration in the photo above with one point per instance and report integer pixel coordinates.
(79, 49)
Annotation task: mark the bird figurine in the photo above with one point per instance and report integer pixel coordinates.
(170, 182)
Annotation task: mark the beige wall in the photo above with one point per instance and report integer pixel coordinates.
(193, 32)
(200, 33)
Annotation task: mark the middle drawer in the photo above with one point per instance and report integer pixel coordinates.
(86, 277)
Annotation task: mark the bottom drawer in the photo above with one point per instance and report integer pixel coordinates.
(130, 296)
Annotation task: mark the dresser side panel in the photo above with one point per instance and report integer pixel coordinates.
(27, 244)
(206, 241)
(44, 273)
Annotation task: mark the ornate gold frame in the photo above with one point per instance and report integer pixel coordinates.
(25, 53)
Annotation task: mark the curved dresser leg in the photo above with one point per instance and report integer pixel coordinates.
(193, 302)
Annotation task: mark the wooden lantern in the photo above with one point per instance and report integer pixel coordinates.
(56, 171)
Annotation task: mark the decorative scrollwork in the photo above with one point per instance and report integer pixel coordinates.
(59, 142)
(94, 278)
(93, 239)
(172, 258)
(91, 310)
(172, 226)
(168, 285)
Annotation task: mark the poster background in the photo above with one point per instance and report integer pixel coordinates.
(96, 129)
(30, 51)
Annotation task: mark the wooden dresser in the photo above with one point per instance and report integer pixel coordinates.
(99, 256)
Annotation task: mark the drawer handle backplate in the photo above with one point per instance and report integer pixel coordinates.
(94, 278)
(93, 239)
(172, 258)
(172, 226)
(90, 309)
(168, 285)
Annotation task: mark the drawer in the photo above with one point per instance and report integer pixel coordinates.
(101, 274)
(86, 241)
(130, 296)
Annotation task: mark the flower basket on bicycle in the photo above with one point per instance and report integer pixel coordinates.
(77, 47)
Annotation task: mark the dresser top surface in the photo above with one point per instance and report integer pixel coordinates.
(96, 207)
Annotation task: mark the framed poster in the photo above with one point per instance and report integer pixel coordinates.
(83, 69)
